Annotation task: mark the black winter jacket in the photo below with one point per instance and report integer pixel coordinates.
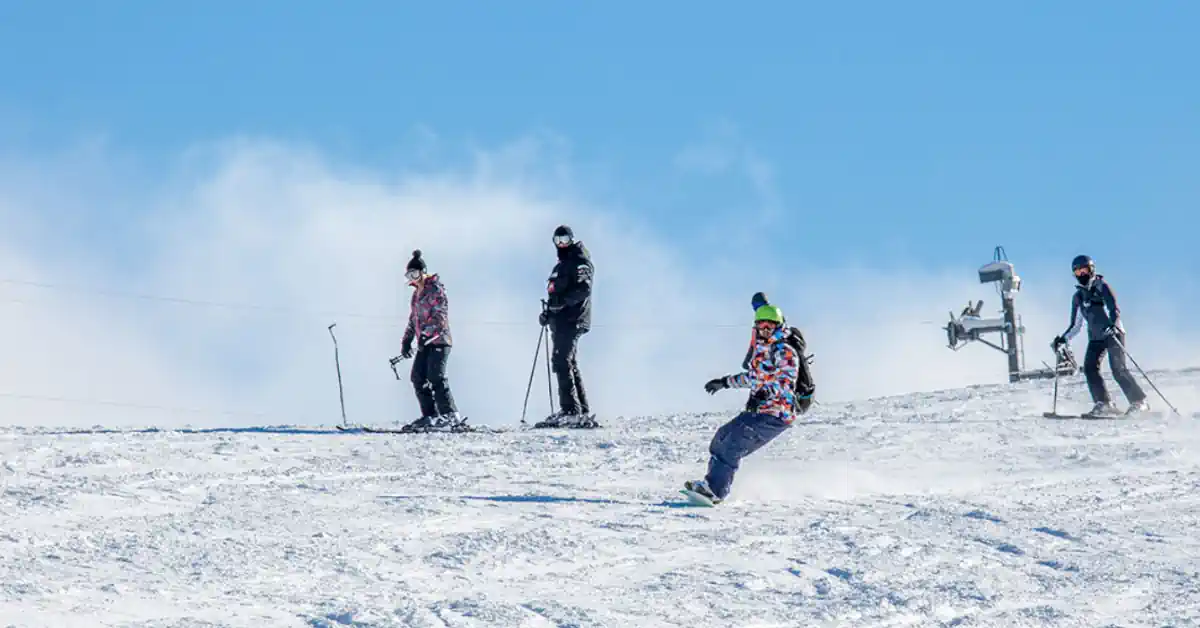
(569, 288)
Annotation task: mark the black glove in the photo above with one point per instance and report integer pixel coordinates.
(543, 318)
(714, 385)
(1110, 331)
(406, 350)
(1058, 342)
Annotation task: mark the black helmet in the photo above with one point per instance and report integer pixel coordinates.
(1083, 268)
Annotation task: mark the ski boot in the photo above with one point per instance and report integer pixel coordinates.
(423, 424)
(568, 420)
(451, 422)
(554, 420)
(700, 487)
(1137, 407)
(1102, 410)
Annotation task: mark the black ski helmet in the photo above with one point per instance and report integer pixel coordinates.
(1083, 262)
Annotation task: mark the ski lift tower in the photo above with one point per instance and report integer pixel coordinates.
(969, 327)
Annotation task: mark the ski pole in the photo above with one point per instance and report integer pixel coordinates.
(1148, 380)
(532, 370)
(1058, 361)
(549, 387)
(394, 361)
(338, 361)
(1054, 405)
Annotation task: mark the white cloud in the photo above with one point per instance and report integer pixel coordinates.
(723, 151)
(311, 242)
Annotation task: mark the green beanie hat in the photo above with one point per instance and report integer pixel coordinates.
(769, 313)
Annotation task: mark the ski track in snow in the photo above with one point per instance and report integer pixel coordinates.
(956, 508)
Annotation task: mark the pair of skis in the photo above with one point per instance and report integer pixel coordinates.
(462, 427)
(1106, 416)
(587, 422)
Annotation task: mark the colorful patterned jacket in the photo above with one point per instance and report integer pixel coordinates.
(774, 367)
(429, 315)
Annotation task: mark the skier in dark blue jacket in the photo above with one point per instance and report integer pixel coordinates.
(1096, 304)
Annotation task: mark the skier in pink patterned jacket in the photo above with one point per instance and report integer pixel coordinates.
(429, 325)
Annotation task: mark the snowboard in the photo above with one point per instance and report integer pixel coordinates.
(696, 499)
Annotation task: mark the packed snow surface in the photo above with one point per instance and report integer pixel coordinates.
(956, 508)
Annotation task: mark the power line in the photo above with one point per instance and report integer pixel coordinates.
(129, 404)
(189, 301)
(383, 320)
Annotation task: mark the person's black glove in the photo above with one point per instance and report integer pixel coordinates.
(1058, 342)
(714, 385)
(543, 318)
(1110, 331)
(406, 350)
(757, 397)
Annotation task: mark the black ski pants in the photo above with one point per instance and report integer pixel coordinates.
(429, 380)
(572, 398)
(1116, 361)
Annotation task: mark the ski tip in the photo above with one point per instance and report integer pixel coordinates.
(1056, 415)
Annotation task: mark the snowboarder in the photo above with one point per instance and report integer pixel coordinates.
(568, 313)
(771, 376)
(804, 382)
(1095, 303)
(429, 325)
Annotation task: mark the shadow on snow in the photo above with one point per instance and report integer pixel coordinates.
(275, 429)
(542, 499)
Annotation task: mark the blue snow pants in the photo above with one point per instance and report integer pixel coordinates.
(742, 436)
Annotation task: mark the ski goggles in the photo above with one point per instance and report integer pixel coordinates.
(412, 275)
(562, 240)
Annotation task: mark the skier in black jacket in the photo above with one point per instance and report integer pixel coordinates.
(1096, 304)
(568, 312)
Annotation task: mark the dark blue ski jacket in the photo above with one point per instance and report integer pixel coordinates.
(1096, 304)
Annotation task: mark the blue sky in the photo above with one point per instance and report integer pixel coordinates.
(868, 134)
(1071, 119)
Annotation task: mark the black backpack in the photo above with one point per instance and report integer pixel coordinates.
(804, 379)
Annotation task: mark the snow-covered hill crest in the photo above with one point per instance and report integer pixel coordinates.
(959, 508)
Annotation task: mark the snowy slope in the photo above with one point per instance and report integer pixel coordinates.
(959, 508)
